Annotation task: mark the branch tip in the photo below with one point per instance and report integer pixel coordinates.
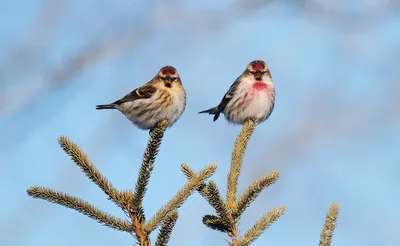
(330, 225)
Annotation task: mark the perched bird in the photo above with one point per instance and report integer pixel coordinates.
(252, 95)
(161, 98)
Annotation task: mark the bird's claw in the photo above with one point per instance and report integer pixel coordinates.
(150, 131)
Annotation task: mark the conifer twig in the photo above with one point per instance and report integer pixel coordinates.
(215, 200)
(187, 170)
(253, 191)
(236, 162)
(230, 211)
(166, 229)
(329, 226)
(130, 202)
(216, 223)
(189, 173)
(126, 197)
(147, 167)
(80, 206)
(80, 158)
(180, 197)
(262, 224)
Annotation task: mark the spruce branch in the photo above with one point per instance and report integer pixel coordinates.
(329, 226)
(80, 206)
(262, 224)
(253, 191)
(217, 223)
(166, 229)
(140, 234)
(147, 167)
(80, 158)
(130, 202)
(193, 184)
(229, 212)
(236, 162)
(189, 173)
(215, 200)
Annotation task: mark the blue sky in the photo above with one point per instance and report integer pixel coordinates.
(333, 135)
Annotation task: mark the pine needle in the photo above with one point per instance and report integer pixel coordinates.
(80, 158)
(215, 200)
(253, 191)
(147, 167)
(180, 197)
(166, 229)
(80, 206)
(216, 223)
(329, 226)
(236, 163)
(189, 173)
(126, 197)
(254, 232)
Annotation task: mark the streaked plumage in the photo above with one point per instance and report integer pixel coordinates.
(161, 98)
(252, 95)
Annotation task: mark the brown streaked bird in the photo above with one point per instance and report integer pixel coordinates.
(252, 95)
(161, 98)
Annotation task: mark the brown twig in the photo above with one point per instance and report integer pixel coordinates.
(234, 235)
(140, 233)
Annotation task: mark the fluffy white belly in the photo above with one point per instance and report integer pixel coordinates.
(146, 113)
(250, 104)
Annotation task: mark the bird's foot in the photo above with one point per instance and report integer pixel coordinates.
(150, 131)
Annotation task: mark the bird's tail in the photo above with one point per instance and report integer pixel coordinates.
(105, 106)
(213, 111)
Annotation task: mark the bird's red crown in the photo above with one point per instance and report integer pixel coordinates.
(168, 71)
(257, 65)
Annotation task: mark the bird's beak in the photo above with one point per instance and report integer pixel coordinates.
(258, 76)
(168, 81)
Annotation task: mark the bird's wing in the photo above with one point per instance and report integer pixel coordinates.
(143, 92)
(228, 95)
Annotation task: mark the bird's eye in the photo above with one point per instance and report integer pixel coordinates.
(251, 72)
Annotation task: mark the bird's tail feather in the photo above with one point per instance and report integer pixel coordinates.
(105, 106)
(213, 111)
